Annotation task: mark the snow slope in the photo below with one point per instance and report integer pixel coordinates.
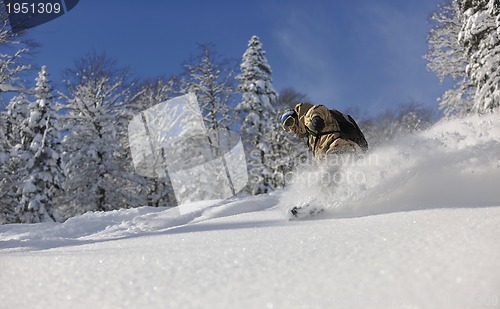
(420, 228)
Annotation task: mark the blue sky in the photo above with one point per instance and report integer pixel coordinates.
(344, 54)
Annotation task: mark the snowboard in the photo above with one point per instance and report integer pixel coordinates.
(305, 210)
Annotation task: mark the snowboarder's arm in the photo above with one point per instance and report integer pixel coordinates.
(317, 118)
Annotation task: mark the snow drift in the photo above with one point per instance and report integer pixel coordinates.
(125, 223)
(453, 164)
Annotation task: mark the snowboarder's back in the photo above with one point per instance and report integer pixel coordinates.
(327, 131)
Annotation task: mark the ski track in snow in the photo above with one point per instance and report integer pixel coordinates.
(104, 226)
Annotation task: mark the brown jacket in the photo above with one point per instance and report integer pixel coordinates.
(329, 140)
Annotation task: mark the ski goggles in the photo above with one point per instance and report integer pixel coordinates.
(288, 120)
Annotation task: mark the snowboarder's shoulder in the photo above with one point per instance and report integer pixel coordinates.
(302, 108)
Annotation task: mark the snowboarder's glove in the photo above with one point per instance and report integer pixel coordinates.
(318, 123)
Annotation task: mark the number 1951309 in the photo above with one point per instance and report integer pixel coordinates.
(33, 8)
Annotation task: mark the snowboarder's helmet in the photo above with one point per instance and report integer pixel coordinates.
(288, 119)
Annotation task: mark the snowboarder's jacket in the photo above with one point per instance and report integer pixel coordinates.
(333, 132)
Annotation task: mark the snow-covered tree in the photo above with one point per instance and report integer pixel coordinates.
(6, 209)
(13, 63)
(150, 93)
(480, 38)
(259, 107)
(13, 57)
(446, 57)
(12, 169)
(156, 191)
(3, 139)
(40, 155)
(211, 78)
(97, 165)
(16, 112)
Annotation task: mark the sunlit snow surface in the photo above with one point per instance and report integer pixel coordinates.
(420, 228)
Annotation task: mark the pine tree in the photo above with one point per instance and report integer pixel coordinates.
(259, 100)
(40, 154)
(446, 57)
(481, 40)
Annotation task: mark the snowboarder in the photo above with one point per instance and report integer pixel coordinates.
(327, 131)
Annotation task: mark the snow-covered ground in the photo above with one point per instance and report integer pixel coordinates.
(417, 226)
